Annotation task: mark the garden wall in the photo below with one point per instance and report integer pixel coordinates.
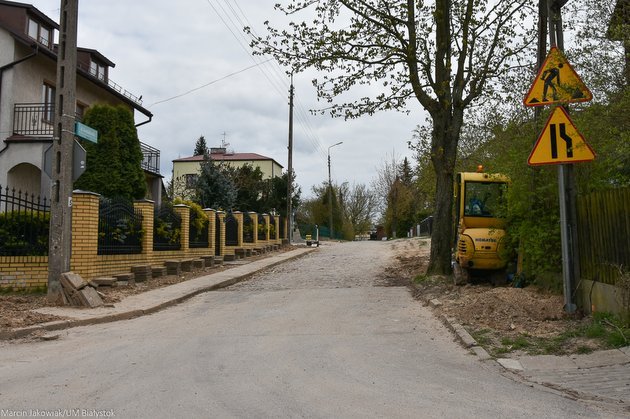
(30, 273)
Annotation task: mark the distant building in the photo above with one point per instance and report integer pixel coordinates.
(28, 69)
(186, 170)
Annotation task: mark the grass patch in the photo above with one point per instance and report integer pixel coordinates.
(481, 337)
(24, 291)
(421, 278)
(604, 331)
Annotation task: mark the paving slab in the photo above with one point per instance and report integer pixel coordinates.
(510, 364)
(546, 362)
(600, 358)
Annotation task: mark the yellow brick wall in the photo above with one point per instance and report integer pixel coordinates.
(31, 272)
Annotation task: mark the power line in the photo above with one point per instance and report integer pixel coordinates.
(270, 71)
(208, 84)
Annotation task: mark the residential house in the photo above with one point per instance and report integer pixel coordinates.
(187, 169)
(28, 65)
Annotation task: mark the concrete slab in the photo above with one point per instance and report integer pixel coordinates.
(510, 364)
(106, 281)
(89, 297)
(600, 359)
(71, 280)
(546, 362)
(173, 267)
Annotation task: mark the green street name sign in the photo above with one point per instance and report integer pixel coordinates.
(85, 132)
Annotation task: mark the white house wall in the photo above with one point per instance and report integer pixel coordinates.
(7, 55)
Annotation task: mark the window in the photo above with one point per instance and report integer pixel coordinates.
(38, 32)
(191, 181)
(48, 97)
(81, 108)
(485, 199)
(97, 70)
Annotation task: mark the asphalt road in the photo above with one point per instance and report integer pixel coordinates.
(315, 337)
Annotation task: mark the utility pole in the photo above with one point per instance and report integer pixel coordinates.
(60, 242)
(290, 168)
(566, 183)
(330, 219)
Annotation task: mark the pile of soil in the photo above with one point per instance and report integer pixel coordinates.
(16, 311)
(499, 313)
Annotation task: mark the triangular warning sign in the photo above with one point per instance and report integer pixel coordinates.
(560, 142)
(557, 82)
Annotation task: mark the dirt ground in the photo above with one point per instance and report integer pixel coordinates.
(495, 316)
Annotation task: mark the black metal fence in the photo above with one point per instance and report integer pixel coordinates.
(248, 228)
(167, 228)
(119, 227)
(198, 231)
(24, 223)
(262, 227)
(231, 230)
(282, 228)
(272, 228)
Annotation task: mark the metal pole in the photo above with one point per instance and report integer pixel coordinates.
(60, 242)
(330, 211)
(565, 172)
(290, 168)
(330, 219)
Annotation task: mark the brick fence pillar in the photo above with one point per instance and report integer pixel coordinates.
(277, 239)
(254, 217)
(221, 227)
(212, 225)
(184, 235)
(147, 209)
(84, 233)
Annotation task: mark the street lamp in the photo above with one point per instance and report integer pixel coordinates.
(330, 235)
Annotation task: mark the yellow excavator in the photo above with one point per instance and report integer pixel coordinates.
(480, 224)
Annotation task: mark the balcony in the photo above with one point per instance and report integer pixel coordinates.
(35, 120)
(150, 158)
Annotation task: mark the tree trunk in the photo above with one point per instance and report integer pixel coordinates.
(446, 128)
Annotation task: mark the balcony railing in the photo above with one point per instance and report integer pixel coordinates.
(150, 158)
(112, 84)
(35, 120)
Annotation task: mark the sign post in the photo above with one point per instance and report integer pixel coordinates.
(560, 142)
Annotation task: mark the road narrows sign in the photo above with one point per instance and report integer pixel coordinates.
(556, 82)
(560, 142)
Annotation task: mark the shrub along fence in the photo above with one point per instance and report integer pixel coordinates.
(24, 223)
(111, 236)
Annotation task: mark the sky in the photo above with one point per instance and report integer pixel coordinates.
(193, 66)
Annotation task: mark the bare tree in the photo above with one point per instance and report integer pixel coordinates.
(359, 206)
(443, 54)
